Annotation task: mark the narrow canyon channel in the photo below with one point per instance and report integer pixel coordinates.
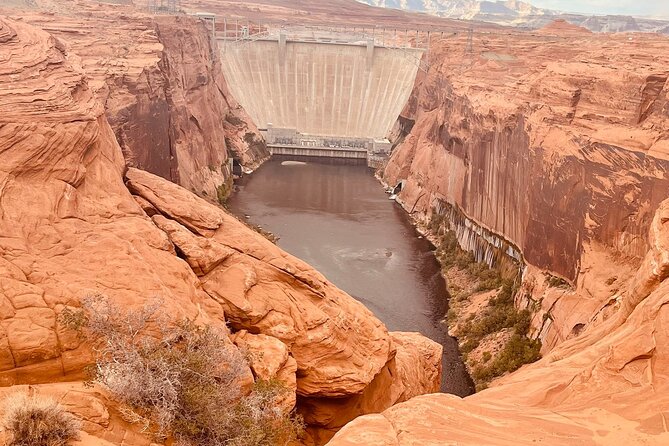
(338, 219)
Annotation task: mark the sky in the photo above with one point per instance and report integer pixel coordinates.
(655, 8)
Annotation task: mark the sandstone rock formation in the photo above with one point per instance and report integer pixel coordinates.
(414, 369)
(265, 290)
(608, 386)
(75, 221)
(551, 149)
(161, 83)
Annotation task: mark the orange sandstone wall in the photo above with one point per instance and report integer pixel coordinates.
(162, 86)
(543, 144)
(555, 146)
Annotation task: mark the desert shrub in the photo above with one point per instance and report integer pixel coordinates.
(182, 379)
(518, 350)
(469, 345)
(38, 421)
(505, 295)
(436, 221)
(495, 319)
(500, 314)
(489, 278)
(557, 282)
(258, 421)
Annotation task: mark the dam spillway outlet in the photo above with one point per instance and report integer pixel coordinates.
(343, 90)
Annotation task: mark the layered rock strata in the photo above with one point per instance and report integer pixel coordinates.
(550, 150)
(162, 86)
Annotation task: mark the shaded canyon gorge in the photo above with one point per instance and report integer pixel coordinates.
(535, 161)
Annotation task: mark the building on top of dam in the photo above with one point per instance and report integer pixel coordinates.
(284, 141)
(320, 93)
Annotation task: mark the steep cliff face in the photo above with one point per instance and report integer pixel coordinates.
(165, 97)
(75, 221)
(557, 147)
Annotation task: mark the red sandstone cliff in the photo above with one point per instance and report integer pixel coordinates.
(163, 89)
(555, 147)
(74, 221)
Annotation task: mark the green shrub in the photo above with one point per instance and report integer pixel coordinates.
(519, 350)
(557, 282)
(38, 421)
(500, 313)
(468, 346)
(183, 380)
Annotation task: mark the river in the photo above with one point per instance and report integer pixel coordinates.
(338, 219)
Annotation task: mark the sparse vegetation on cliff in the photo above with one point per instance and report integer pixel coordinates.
(38, 421)
(180, 380)
(557, 282)
(223, 191)
(492, 332)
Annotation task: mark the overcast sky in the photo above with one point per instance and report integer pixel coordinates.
(658, 8)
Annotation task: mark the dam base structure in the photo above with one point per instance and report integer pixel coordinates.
(320, 93)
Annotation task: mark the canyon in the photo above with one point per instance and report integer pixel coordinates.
(565, 170)
(544, 153)
(78, 221)
(584, 231)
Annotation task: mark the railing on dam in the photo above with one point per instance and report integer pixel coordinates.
(236, 31)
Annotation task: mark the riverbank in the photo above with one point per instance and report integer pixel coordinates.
(492, 333)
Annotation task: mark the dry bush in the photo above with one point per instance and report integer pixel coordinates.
(182, 377)
(38, 421)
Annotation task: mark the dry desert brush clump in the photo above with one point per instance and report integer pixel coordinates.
(38, 421)
(179, 379)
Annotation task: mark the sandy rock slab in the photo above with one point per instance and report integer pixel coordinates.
(69, 228)
(338, 344)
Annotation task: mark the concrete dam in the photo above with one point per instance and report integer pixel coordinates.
(302, 89)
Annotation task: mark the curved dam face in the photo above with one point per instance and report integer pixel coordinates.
(321, 88)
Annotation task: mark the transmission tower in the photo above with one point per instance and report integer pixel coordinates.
(470, 40)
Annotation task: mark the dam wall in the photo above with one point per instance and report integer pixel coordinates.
(320, 88)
